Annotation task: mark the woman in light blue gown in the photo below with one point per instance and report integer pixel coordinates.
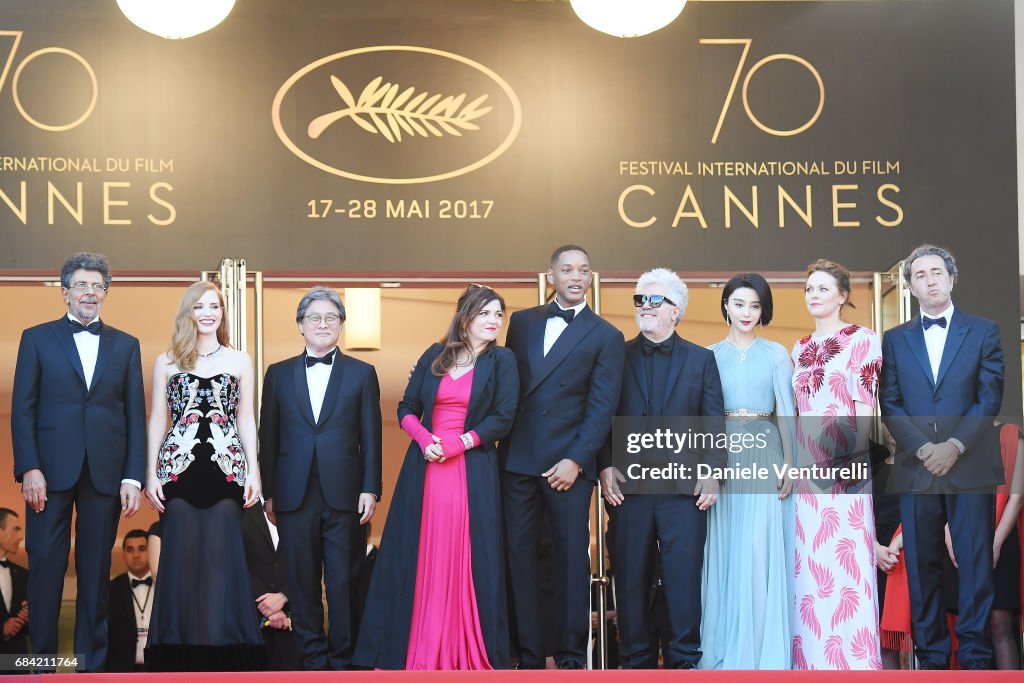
(746, 589)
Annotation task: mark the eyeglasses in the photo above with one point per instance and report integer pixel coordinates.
(654, 300)
(316, 318)
(95, 287)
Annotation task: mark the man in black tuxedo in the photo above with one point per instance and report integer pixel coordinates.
(131, 605)
(665, 376)
(269, 577)
(13, 588)
(78, 425)
(940, 387)
(570, 369)
(320, 460)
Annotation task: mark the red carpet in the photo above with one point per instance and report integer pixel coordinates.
(555, 677)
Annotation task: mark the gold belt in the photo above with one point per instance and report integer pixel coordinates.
(744, 414)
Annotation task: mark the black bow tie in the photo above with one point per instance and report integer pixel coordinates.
(650, 347)
(92, 328)
(148, 581)
(5, 563)
(928, 322)
(326, 360)
(566, 314)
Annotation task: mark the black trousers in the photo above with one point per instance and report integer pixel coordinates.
(48, 541)
(680, 529)
(526, 498)
(322, 546)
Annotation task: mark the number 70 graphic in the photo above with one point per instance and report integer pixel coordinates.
(745, 42)
(25, 62)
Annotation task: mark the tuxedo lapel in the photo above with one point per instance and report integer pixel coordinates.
(579, 328)
(635, 358)
(333, 387)
(263, 526)
(535, 329)
(915, 340)
(66, 341)
(954, 340)
(102, 355)
(302, 389)
(679, 354)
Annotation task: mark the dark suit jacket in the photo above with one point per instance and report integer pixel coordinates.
(693, 390)
(961, 404)
(55, 420)
(267, 570)
(18, 645)
(346, 440)
(567, 398)
(122, 637)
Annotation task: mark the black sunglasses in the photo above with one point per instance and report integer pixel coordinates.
(655, 300)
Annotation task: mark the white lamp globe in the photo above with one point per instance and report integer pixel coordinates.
(176, 19)
(627, 18)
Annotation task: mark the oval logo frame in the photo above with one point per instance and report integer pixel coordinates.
(517, 115)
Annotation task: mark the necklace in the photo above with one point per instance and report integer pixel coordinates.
(743, 351)
(211, 353)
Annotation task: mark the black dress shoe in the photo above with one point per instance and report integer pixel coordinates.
(974, 666)
(570, 664)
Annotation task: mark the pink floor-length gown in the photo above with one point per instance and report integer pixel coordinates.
(445, 632)
(835, 619)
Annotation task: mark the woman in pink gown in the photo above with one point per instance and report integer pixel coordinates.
(835, 610)
(437, 598)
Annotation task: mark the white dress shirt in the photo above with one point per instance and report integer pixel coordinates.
(6, 585)
(556, 325)
(317, 378)
(143, 606)
(88, 345)
(935, 339)
(935, 342)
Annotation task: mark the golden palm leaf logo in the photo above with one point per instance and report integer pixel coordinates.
(382, 109)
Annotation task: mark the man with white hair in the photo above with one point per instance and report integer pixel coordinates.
(664, 377)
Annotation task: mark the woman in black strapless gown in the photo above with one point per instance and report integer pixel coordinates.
(201, 473)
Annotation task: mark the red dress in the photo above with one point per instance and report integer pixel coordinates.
(445, 632)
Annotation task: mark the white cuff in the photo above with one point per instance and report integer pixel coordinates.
(134, 483)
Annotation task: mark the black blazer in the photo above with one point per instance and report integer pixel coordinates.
(693, 390)
(961, 404)
(346, 440)
(18, 645)
(568, 397)
(55, 420)
(267, 570)
(122, 637)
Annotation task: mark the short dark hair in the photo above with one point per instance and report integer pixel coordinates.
(4, 514)
(134, 533)
(564, 248)
(752, 281)
(85, 260)
(930, 250)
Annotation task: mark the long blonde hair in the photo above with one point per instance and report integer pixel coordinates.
(184, 349)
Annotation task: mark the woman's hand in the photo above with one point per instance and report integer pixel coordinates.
(155, 494)
(253, 490)
(785, 482)
(885, 558)
(434, 452)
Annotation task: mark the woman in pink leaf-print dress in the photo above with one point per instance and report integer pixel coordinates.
(835, 611)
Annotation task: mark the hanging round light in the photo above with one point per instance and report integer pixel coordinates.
(627, 18)
(176, 18)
